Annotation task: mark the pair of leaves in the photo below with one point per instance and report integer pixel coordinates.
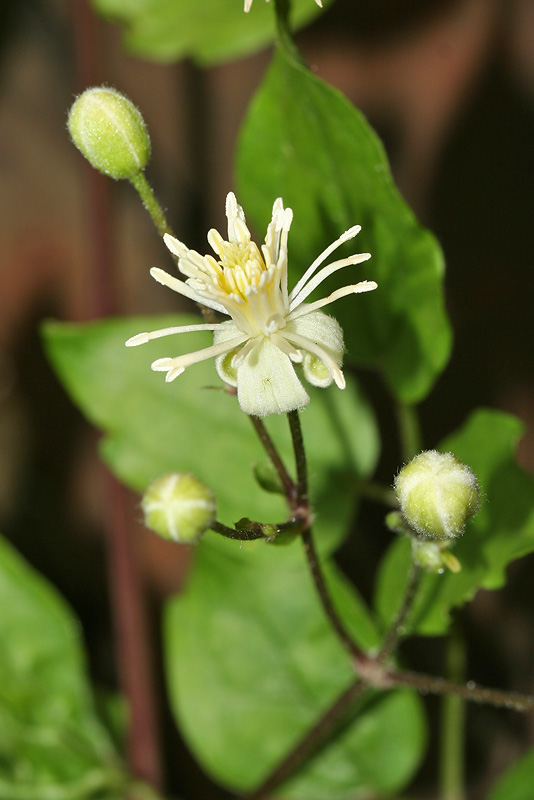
(51, 741)
(501, 531)
(209, 31)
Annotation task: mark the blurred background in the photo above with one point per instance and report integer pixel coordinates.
(449, 85)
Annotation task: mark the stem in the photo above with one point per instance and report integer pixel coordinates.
(428, 684)
(300, 459)
(272, 452)
(397, 630)
(452, 726)
(283, 32)
(409, 431)
(311, 741)
(148, 198)
(257, 530)
(242, 535)
(301, 508)
(324, 595)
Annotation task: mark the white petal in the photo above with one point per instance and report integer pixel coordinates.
(321, 340)
(267, 382)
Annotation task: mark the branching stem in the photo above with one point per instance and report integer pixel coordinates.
(428, 684)
(323, 729)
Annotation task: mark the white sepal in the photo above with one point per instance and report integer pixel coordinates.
(267, 382)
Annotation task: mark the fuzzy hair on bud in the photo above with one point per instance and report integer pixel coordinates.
(437, 494)
(110, 132)
(179, 507)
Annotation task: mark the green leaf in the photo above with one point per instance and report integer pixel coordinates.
(208, 31)
(152, 427)
(51, 743)
(517, 782)
(501, 531)
(252, 664)
(304, 141)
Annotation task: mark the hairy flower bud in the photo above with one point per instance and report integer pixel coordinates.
(110, 132)
(437, 494)
(178, 506)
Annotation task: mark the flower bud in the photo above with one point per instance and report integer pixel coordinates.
(437, 494)
(110, 132)
(179, 507)
(434, 556)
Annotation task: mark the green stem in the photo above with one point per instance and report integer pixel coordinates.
(140, 183)
(148, 198)
(397, 629)
(452, 726)
(284, 37)
(409, 431)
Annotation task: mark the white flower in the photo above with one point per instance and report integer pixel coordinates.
(269, 329)
(248, 4)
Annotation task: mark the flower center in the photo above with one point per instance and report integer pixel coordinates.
(243, 269)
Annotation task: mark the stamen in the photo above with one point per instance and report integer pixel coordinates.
(143, 338)
(243, 353)
(181, 362)
(323, 274)
(345, 237)
(184, 288)
(356, 288)
(312, 347)
(286, 347)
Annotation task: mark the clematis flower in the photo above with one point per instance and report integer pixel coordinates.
(248, 4)
(269, 329)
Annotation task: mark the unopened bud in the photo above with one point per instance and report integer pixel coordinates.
(434, 556)
(178, 506)
(110, 132)
(437, 494)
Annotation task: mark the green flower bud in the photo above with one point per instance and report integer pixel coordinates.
(434, 556)
(110, 132)
(179, 507)
(437, 494)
